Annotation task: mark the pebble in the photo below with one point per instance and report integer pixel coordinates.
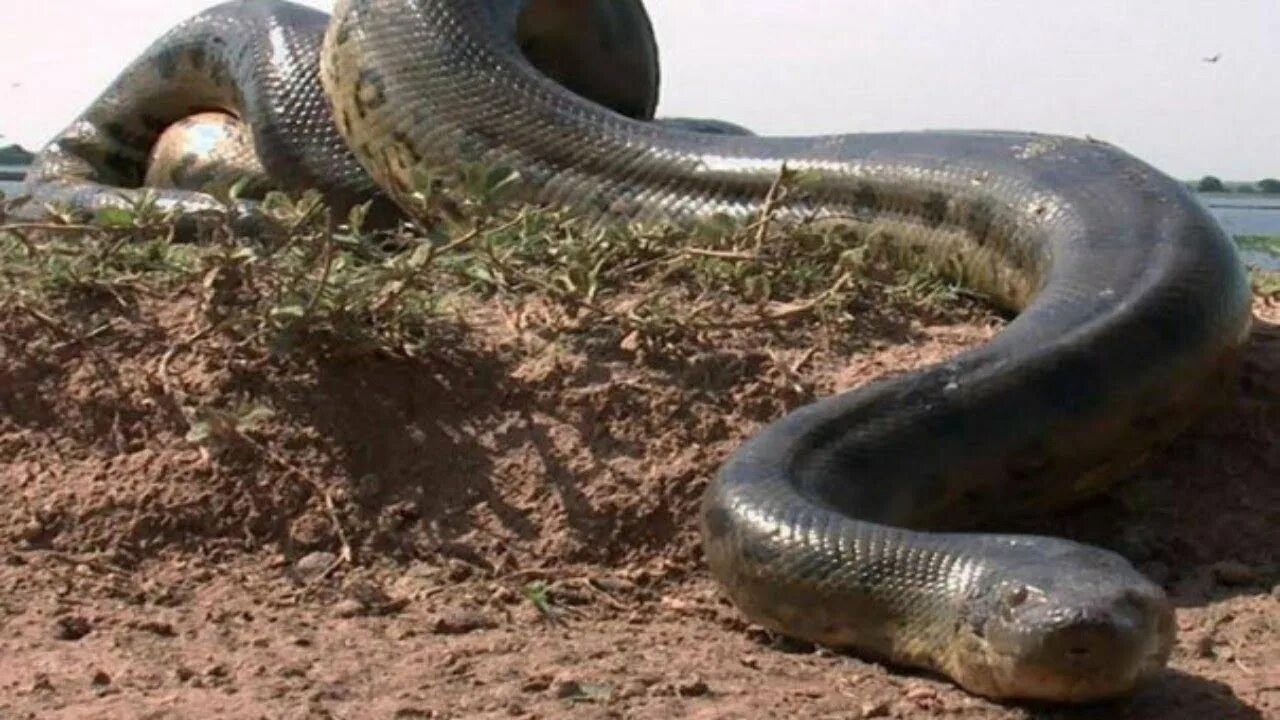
(568, 688)
(312, 565)
(875, 710)
(349, 608)
(693, 688)
(71, 627)
(41, 681)
(537, 683)
(158, 628)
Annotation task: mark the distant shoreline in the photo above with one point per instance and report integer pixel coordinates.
(16, 173)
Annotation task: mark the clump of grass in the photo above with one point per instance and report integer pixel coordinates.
(1269, 244)
(337, 285)
(1266, 283)
(1262, 248)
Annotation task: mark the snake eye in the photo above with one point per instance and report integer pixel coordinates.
(1012, 598)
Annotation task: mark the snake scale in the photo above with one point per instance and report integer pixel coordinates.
(851, 521)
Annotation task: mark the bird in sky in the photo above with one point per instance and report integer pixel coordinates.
(1213, 58)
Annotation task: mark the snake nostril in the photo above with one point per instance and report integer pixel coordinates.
(1078, 652)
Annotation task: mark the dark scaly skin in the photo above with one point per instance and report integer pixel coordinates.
(251, 60)
(257, 62)
(1133, 307)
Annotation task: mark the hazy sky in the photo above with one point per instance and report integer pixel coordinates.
(1128, 71)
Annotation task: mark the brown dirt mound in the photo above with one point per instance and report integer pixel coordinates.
(504, 527)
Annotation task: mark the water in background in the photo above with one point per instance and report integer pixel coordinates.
(1239, 214)
(10, 187)
(1249, 215)
(1246, 214)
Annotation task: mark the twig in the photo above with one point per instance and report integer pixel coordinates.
(771, 200)
(108, 325)
(314, 300)
(791, 312)
(722, 254)
(345, 553)
(52, 227)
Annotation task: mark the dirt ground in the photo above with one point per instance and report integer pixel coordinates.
(505, 527)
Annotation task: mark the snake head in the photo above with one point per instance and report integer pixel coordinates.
(1062, 622)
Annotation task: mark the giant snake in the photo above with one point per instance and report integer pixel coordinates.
(848, 522)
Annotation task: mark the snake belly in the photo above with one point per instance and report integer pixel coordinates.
(849, 522)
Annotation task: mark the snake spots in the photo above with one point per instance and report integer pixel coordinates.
(196, 57)
(166, 62)
(370, 92)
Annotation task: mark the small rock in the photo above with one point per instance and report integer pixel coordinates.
(461, 622)
(313, 565)
(71, 627)
(216, 670)
(1234, 572)
(41, 681)
(100, 678)
(374, 600)
(504, 596)
(349, 608)
(693, 688)
(536, 684)
(568, 688)
(875, 709)
(923, 697)
(459, 571)
(921, 693)
(155, 627)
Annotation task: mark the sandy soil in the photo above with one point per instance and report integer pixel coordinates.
(519, 515)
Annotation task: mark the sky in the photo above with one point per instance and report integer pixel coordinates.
(1127, 71)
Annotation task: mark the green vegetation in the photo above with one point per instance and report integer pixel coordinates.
(1269, 244)
(337, 286)
(15, 155)
(1211, 184)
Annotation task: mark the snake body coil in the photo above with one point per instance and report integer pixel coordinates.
(838, 523)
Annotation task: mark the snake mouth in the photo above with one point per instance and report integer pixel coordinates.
(1081, 654)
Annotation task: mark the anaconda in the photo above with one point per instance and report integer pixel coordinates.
(852, 521)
